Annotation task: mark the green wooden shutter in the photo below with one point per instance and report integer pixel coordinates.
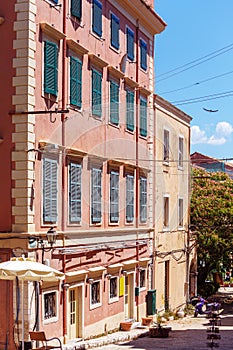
(143, 55)
(114, 102)
(96, 93)
(130, 44)
(75, 192)
(75, 82)
(129, 198)
(114, 196)
(96, 195)
(143, 117)
(50, 179)
(130, 110)
(97, 17)
(76, 8)
(115, 26)
(143, 199)
(50, 68)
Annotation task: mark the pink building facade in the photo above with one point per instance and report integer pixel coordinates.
(77, 126)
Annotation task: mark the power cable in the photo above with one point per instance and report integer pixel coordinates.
(203, 98)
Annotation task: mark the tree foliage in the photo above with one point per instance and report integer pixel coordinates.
(212, 217)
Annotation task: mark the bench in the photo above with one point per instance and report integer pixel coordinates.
(40, 337)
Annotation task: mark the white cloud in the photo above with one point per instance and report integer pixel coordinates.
(224, 129)
(213, 140)
(197, 135)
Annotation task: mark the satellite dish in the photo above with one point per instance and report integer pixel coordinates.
(123, 63)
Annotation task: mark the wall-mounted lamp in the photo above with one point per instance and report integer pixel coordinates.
(124, 272)
(108, 276)
(65, 286)
(90, 280)
(139, 268)
(37, 241)
(51, 236)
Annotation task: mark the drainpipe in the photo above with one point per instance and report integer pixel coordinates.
(63, 119)
(137, 167)
(188, 229)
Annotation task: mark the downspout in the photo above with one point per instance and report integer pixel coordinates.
(63, 119)
(188, 228)
(137, 167)
(154, 200)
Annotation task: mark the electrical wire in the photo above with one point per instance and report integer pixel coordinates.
(203, 98)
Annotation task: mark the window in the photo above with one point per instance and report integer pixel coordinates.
(181, 212)
(50, 179)
(129, 110)
(142, 278)
(76, 8)
(166, 145)
(113, 292)
(115, 26)
(129, 198)
(143, 55)
(50, 68)
(72, 302)
(50, 313)
(96, 93)
(75, 82)
(165, 211)
(75, 192)
(97, 17)
(96, 194)
(114, 196)
(181, 152)
(130, 44)
(95, 294)
(143, 117)
(114, 103)
(143, 199)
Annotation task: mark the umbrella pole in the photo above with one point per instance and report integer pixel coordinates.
(22, 303)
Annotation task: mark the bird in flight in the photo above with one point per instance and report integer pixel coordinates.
(210, 110)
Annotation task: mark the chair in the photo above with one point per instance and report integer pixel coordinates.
(41, 338)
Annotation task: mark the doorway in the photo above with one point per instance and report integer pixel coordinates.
(75, 307)
(129, 296)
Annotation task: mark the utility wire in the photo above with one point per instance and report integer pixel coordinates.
(197, 83)
(203, 98)
(194, 64)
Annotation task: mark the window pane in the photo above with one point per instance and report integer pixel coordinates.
(166, 145)
(76, 8)
(75, 192)
(97, 17)
(181, 151)
(143, 199)
(166, 212)
(130, 110)
(95, 293)
(143, 55)
(181, 212)
(143, 117)
(96, 193)
(114, 103)
(50, 190)
(129, 198)
(114, 196)
(96, 93)
(115, 25)
(130, 44)
(50, 68)
(50, 309)
(75, 82)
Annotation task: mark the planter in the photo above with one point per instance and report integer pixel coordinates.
(125, 326)
(159, 332)
(146, 321)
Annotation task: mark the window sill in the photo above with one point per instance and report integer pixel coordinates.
(113, 300)
(95, 306)
(50, 320)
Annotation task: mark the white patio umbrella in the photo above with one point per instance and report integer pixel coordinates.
(27, 269)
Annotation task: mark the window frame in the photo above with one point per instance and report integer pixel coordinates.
(50, 184)
(77, 81)
(95, 219)
(54, 318)
(143, 199)
(130, 199)
(143, 54)
(50, 85)
(96, 92)
(180, 152)
(114, 31)
(142, 270)
(78, 192)
(99, 303)
(114, 96)
(166, 142)
(76, 9)
(115, 298)
(97, 26)
(130, 44)
(166, 212)
(180, 212)
(114, 192)
(130, 122)
(143, 116)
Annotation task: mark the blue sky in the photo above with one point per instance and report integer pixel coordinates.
(198, 30)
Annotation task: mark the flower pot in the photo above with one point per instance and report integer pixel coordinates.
(146, 321)
(125, 326)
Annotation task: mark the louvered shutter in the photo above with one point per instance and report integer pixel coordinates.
(50, 179)
(129, 198)
(143, 199)
(130, 44)
(75, 192)
(96, 93)
(75, 82)
(143, 56)
(115, 26)
(97, 17)
(114, 196)
(130, 110)
(76, 8)
(114, 103)
(143, 117)
(96, 195)
(50, 68)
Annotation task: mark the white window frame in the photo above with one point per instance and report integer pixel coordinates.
(145, 270)
(166, 197)
(166, 153)
(52, 319)
(95, 306)
(180, 199)
(116, 298)
(181, 153)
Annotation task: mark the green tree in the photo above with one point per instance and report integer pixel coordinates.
(212, 218)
